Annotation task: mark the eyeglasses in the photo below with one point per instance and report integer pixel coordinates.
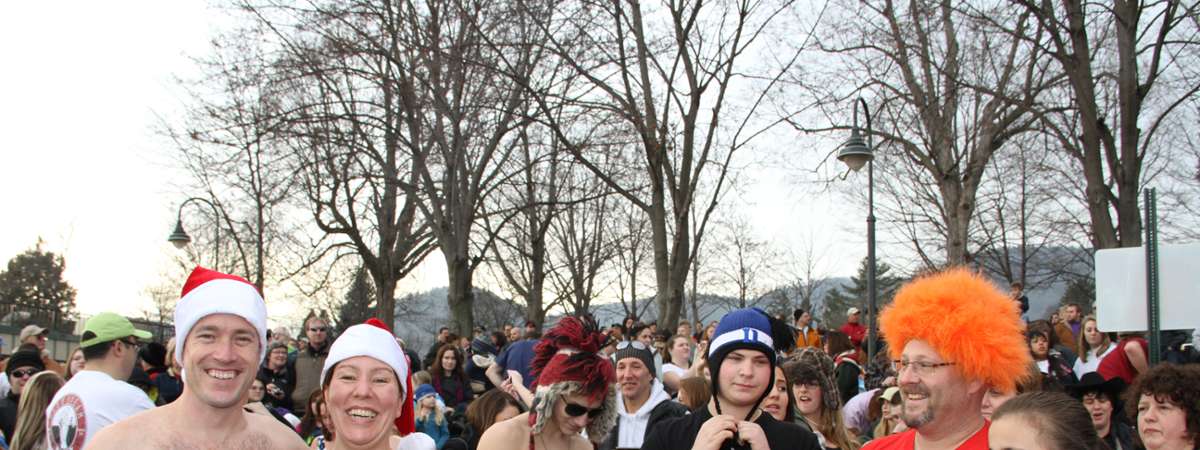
(809, 384)
(920, 368)
(318, 329)
(635, 344)
(574, 410)
(22, 373)
(134, 344)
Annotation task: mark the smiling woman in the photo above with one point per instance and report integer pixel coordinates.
(365, 397)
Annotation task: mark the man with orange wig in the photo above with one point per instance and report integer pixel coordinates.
(952, 336)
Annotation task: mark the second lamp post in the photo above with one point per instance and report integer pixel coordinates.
(857, 152)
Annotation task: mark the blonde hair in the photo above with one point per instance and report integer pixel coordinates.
(1081, 344)
(832, 427)
(170, 358)
(70, 373)
(30, 429)
(437, 411)
(422, 377)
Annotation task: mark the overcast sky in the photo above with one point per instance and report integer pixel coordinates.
(82, 86)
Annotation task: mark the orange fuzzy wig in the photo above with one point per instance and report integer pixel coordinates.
(967, 319)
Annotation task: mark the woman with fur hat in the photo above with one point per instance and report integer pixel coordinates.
(811, 374)
(574, 391)
(742, 357)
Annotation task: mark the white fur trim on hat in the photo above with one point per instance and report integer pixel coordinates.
(372, 341)
(221, 296)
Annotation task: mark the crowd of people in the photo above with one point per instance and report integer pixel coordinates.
(959, 367)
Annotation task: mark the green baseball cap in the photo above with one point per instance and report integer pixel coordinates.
(109, 327)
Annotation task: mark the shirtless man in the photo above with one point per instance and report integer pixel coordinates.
(222, 323)
(574, 393)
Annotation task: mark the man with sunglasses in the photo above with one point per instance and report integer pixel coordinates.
(308, 363)
(952, 335)
(98, 395)
(642, 401)
(21, 366)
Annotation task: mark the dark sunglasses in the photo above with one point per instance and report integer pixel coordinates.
(318, 329)
(574, 410)
(22, 373)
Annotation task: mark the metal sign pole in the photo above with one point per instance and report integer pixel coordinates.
(1151, 249)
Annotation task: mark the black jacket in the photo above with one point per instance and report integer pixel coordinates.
(285, 380)
(8, 415)
(1120, 433)
(665, 410)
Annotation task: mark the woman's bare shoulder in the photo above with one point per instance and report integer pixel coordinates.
(506, 435)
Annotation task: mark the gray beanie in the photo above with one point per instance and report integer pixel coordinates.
(643, 354)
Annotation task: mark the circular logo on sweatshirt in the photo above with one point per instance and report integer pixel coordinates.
(66, 425)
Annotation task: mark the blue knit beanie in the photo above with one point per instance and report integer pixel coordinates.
(749, 328)
(424, 390)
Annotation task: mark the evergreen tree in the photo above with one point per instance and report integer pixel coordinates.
(34, 280)
(841, 298)
(359, 303)
(1081, 291)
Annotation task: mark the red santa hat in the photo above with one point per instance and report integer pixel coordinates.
(375, 340)
(208, 292)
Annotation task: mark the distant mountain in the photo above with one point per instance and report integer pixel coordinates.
(420, 315)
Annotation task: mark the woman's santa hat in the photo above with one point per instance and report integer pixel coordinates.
(374, 339)
(209, 292)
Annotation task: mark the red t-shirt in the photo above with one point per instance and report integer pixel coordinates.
(1116, 364)
(907, 439)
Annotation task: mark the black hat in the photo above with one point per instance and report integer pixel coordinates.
(24, 358)
(1093, 382)
(154, 354)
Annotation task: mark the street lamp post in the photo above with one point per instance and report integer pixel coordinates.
(180, 238)
(857, 152)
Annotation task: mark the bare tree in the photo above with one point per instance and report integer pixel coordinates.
(947, 94)
(745, 264)
(659, 82)
(584, 246)
(460, 116)
(1019, 236)
(1129, 66)
(632, 252)
(227, 143)
(806, 273)
(519, 243)
(343, 90)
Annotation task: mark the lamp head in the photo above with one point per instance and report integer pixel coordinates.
(855, 152)
(179, 238)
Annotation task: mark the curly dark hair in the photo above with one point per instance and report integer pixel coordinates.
(1170, 383)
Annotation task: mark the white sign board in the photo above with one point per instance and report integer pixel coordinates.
(1121, 288)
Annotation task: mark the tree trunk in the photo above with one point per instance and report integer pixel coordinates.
(385, 296)
(460, 297)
